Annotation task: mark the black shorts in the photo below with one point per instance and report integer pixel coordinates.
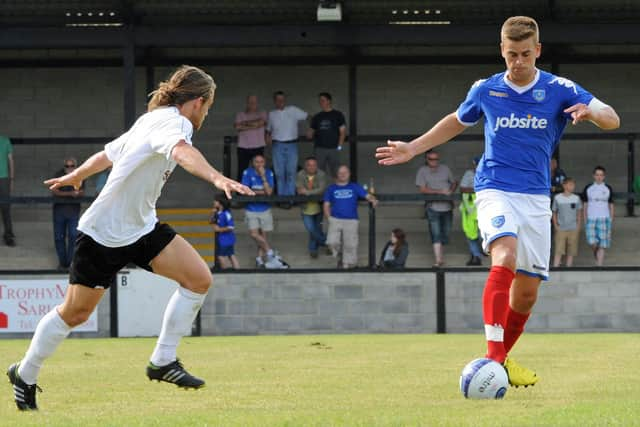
(96, 266)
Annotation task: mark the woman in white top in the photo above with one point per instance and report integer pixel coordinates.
(121, 227)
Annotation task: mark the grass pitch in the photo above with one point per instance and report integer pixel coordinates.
(354, 380)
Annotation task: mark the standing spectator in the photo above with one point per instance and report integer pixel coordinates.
(65, 216)
(223, 225)
(567, 216)
(312, 182)
(598, 212)
(469, 214)
(557, 177)
(395, 252)
(7, 174)
(282, 129)
(250, 125)
(328, 131)
(341, 208)
(436, 178)
(258, 214)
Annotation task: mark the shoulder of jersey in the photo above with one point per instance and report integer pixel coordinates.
(562, 83)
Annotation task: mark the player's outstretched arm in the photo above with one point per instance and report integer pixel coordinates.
(598, 113)
(192, 160)
(94, 164)
(396, 152)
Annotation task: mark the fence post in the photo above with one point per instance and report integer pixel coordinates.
(372, 236)
(441, 309)
(226, 157)
(631, 154)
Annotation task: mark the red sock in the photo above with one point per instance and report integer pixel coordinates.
(515, 327)
(495, 305)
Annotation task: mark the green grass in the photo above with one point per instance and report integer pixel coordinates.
(355, 380)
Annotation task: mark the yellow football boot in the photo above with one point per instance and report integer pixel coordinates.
(519, 375)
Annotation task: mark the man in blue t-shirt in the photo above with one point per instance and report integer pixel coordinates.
(258, 214)
(525, 111)
(341, 210)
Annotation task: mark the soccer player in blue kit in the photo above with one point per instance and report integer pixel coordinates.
(525, 111)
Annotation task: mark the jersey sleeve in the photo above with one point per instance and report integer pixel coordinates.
(610, 193)
(360, 191)
(246, 179)
(328, 195)
(584, 195)
(270, 178)
(341, 120)
(470, 111)
(114, 149)
(314, 122)
(299, 114)
(574, 93)
(554, 204)
(169, 134)
(229, 218)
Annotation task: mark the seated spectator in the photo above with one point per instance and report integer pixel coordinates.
(341, 208)
(223, 225)
(65, 216)
(258, 214)
(567, 216)
(395, 252)
(436, 178)
(469, 215)
(311, 182)
(7, 174)
(598, 212)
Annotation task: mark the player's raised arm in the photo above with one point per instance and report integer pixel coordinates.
(396, 152)
(192, 160)
(597, 112)
(94, 164)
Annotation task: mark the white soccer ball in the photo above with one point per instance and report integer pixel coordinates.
(484, 379)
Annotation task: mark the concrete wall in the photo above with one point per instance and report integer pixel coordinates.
(88, 102)
(289, 303)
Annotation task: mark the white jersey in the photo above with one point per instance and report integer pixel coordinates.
(125, 209)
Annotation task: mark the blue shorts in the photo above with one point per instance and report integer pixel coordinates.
(224, 250)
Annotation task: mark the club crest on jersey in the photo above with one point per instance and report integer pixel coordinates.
(539, 94)
(497, 221)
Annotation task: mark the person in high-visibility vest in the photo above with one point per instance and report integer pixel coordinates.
(470, 216)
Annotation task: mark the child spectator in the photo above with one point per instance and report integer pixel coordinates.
(222, 223)
(598, 213)
(567, 218)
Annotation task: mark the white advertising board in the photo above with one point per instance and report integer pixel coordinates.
(142, 298)
(23, 302)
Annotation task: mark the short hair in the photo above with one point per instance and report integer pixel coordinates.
(256, 156)
(278, 93)
(599, 168)
(518, 28)
(310, 158)
(222, 199)
(568, 179)
(325, 95)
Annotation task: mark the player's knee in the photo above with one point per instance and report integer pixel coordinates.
(201, 283)
(76, 316)
(523, 302)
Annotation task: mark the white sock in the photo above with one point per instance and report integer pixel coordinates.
(50, 332)
(270, 254)
(178, 318)
(259, 260)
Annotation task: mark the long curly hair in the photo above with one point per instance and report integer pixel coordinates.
(185, 84)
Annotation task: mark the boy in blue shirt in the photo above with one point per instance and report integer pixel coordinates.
(525, 111)
(341, 210)
(223, 225)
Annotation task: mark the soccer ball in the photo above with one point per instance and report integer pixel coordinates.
(484, 379)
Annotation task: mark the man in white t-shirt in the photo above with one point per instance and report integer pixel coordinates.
(598, 214)
(121, 227)
(282, 129)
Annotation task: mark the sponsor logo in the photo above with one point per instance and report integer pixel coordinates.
(537, 267)
(497, 221)
(165, 175)
(565, 82)
(498, 94)
(513, 122)
(539, 94)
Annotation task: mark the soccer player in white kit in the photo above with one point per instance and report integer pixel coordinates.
(121, 227)
(525, 111)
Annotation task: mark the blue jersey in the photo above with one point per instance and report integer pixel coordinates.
(344, 199)
(251, 179)
(225, 238)
(523, 126)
